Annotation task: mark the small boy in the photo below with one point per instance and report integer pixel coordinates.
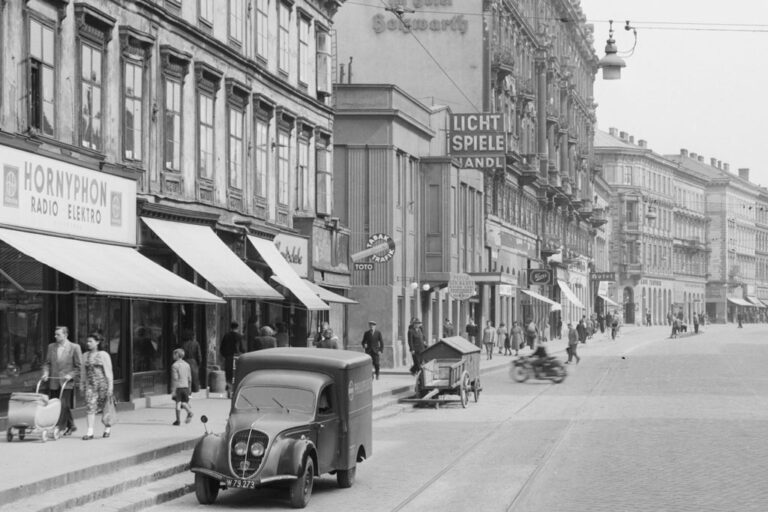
(181, 382)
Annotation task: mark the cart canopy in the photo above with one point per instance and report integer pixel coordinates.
(453, 347)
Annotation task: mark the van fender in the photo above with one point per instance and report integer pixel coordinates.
(206, 453)
(292, 455)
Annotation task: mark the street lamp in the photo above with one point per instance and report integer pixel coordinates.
(612, 63)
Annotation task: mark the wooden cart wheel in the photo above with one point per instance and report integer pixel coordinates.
(418, 388)
(56, 433)
(44, 436)
(476, 389)
(464, 390)
(9, 435)
(22, 433)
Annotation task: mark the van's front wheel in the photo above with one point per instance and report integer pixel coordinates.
(346, 477)
(206, 489)
(301, 489)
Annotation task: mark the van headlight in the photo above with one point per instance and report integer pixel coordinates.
(240, 448)
(257, 449)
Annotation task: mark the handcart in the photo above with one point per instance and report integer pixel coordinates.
(450, 367)
(34, 413)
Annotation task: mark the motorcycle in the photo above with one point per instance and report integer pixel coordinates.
(522, 369)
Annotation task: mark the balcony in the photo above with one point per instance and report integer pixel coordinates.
(530, 170)
(502, 62)
(599, 217)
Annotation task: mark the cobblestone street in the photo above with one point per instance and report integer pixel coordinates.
(643, 423)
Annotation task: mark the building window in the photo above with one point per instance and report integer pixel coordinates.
(304, 199)
(261, 161)
(172, 125)
(283, 42)
(205, 12)
(323, 64)
(90, 100)
(236, 21)
(205, 132)
(283, 165)
(324, 175)
(262, 34)
(133, 75)
(303, 50)
(42, 59)
(235, 148)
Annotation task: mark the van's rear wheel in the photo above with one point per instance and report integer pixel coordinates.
(206, 489)
(301, 489)
(346, 477)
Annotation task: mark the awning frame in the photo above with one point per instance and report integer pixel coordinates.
(554, 306)
(740, 302)
(609, 300)
(569, 294)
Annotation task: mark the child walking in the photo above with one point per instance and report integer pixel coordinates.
(181, 382)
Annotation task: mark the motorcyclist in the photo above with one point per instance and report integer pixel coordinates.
(539, 356)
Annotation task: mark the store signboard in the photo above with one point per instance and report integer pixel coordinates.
(52, 196)
(478, 140)
(294, 250)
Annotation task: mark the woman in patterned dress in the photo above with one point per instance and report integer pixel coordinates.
(97, 383)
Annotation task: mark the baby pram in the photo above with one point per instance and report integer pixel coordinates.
(34, 413)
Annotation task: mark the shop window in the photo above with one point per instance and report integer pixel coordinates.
(42, 65)
(149, 345)
(104, 317)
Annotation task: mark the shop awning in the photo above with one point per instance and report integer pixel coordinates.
(569, 294)
(608, 300)
(739, 302)
(288, 277)
(111, 270)
(328, 295)
(554, 306)
(757, 302)
(204, 251)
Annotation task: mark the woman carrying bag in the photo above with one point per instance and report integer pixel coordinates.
(97, 385)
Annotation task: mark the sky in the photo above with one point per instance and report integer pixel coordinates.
(684, 87)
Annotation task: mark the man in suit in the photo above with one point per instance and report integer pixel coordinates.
(416, 344)
(373, 344)
(231, 347)
(62, 364)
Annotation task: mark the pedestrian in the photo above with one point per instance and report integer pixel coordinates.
(193, 356)
(373, 344)
(502, 339)
(614, 326)
(648, 319)
(231, 347)
(531, 333)
(573, 344)
(448, 329)
(740, 319)
(265, 339)
(97, 384)
(581, 330)
(181, 381)
(471, 330)
(489, 338)
(416, 344)
(283, 335)
(559, 326)
(329, 340)
(675, 328)
(320, 331)
(601, 322)
(695, 323)
(517, 336)
(669, 318)
(544, 329)
(62, 367)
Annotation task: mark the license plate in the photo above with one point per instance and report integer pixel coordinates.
(236, 483)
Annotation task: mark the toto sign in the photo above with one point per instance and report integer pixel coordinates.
(461, 286)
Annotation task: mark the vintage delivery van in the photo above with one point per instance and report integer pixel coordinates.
(296, 413)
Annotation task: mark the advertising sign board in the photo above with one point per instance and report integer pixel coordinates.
(478, 140)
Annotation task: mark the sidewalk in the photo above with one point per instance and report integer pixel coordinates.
(145, 433)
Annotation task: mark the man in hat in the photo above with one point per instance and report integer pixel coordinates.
(416, 344)
(373, 344)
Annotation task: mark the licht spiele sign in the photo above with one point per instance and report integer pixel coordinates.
(49, 195)
(478, 141)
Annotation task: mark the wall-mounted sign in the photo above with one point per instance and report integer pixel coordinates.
(294, 250)
(603, 276)
(49, 195)
(461, 286)
(384, 245)
(364, 267)
(478, 141)
(506, 290)
(540, 276)
(428, 20)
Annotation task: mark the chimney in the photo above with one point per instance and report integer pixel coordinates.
(642, 143)
(701, 158)
(613, 132)
(631, 139)
(727, 167)
(623, 135)
(744, 173)
(694, 155)
(683, 152)
(719, 164)
(713, 161)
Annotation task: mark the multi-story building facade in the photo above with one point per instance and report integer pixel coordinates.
(761, 250)
(396, 186)
(515, 61)
(642, 241)
(732, 204)
(200, 132)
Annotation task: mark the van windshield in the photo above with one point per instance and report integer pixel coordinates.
(276, 399)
